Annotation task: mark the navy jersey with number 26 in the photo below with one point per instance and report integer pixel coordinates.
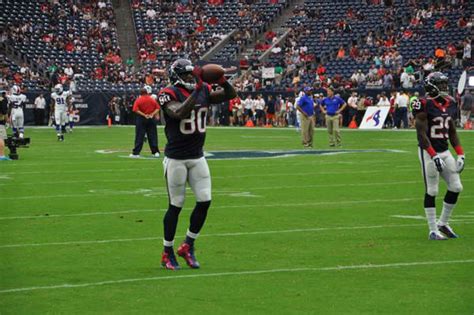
(185, 136)
(438, 114)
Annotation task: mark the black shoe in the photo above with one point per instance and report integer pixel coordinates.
(447, 230)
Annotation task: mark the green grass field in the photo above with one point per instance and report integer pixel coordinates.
(322, 234)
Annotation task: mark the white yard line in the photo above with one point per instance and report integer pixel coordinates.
(177, 276)
(280, 205)
(120, 240)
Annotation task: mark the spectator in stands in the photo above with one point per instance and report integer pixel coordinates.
(341, 53)
(387, 80)
(407, 78)
(358, 78)
(467, 57)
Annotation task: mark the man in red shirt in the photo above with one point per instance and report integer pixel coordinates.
(145, 108)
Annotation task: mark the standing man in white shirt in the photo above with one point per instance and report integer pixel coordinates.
(40, 106)
(407, 79)
(401, 110)
(352, 107)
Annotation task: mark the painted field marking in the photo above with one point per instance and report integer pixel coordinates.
(241, 273)
(120, 240)
(304, 204)
(456, 218)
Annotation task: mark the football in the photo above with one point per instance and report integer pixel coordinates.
(211, 73)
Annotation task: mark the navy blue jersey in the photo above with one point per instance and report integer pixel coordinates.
(185, 137)
(438, 114)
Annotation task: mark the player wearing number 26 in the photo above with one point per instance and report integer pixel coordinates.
(185, 105)
(435, 116)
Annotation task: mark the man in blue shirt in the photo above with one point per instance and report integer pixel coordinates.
(305, 106)
(332, 106)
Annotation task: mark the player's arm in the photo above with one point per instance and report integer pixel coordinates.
(298, 108)
(421, 125)
(454, 140)
(176, 109)
(344, 105)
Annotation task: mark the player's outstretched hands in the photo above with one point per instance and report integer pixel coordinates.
(197, 73)
(221, 80)
(439, 163)
(460, 163)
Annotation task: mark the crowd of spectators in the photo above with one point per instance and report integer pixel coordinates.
(379, 51)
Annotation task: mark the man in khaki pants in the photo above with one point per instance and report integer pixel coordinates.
(332, 106)
(305, 106)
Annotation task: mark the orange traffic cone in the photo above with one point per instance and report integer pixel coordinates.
(109, 122)
(249, 123)
(353, 124)
(468, 125)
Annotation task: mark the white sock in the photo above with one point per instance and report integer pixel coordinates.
(192, 235)
(446, 213)
(168, 243)
(431, 217)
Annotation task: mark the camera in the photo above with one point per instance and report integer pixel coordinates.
(13, 142)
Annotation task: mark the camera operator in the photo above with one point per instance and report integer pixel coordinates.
(3, 120)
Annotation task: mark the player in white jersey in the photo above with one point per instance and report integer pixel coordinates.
(16, 102)
(60, 106)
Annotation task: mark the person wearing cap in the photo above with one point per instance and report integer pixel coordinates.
(332, 106)
(145, 108)
(305, 106)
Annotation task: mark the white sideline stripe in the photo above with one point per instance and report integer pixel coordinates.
(242, 273)
(305, 204)
(222, 235)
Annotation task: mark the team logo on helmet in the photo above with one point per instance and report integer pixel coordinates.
(179, 74)
(436, 83)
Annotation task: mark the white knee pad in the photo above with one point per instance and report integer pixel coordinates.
(203, 194)
(455, 186)
(432, 190)
(177, 200)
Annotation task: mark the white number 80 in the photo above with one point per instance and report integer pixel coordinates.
(195, 121)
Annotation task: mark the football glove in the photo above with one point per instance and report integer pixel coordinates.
(439, 163)
(460, 163)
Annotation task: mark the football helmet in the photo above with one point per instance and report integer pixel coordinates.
(148, 89)
(16, 89)
(58, 88)
(436, 84)
(179, 74)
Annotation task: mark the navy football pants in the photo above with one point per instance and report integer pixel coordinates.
(145, 126)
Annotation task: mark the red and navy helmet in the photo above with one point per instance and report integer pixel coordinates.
(436, 84)
(179, 73)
